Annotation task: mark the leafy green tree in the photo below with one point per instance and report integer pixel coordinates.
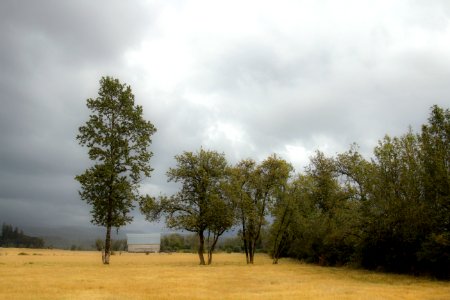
(395, 217)
(241, 186)
(172, 242)
(333, 212)
(356, 173)
(118, 139)
(202, 205)
(285, 212)
(256, 188)
(435, 159)
(316, 217)
(390, 213)
(220, 216)
(326, 191)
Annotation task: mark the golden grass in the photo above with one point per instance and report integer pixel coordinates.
(58, 274)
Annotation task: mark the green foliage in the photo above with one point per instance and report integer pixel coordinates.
(118, 138)
(176, 242)
(256, 189)
(231, 244)
(201, 206)
(391, 213)
(318, 216)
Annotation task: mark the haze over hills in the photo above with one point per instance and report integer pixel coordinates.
(84, 236)
(66, 236)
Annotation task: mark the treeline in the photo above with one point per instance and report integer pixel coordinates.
(390, 212)
(116, 245)
(176, 242)
(15, 238)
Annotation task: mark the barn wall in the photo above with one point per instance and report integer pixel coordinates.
(143, 248)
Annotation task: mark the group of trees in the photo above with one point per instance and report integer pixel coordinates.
(14, 237)
(176, 242)
(201, 206)
(215, 196)
(390, 212)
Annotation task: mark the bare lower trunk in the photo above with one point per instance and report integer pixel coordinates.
(251, 252)
(247, 257)
(246, 244)
(211, 249)
(107, 253)
(201, 247)
(210, 252)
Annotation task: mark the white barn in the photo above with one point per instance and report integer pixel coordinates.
(149, 242)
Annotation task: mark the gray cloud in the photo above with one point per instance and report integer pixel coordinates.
(287, 77)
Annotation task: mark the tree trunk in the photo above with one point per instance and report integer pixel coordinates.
(251, 252)
(107, 252)
(209, 256)
(246, 250)
(245, 240)
(211, 249)
(244, 235)
(279, 237)
(201, 247)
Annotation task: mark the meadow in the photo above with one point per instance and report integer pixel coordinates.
(59, 274)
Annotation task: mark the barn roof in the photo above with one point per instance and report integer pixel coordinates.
(147, 238)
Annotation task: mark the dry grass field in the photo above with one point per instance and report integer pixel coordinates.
(58, 274)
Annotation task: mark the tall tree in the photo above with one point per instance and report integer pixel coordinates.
(435, 159)
(395, 213)
(201, 206)
(315, 217)
(118, 139)
(241, 182)
(256, 188)
(285, 211)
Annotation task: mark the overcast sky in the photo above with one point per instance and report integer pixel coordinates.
(247, 78)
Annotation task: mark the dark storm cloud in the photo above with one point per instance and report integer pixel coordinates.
(52, 55)
(83, 31)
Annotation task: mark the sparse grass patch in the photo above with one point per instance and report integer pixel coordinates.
(58, 274)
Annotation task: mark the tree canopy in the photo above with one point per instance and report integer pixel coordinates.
(391, 212)
(201, 206)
